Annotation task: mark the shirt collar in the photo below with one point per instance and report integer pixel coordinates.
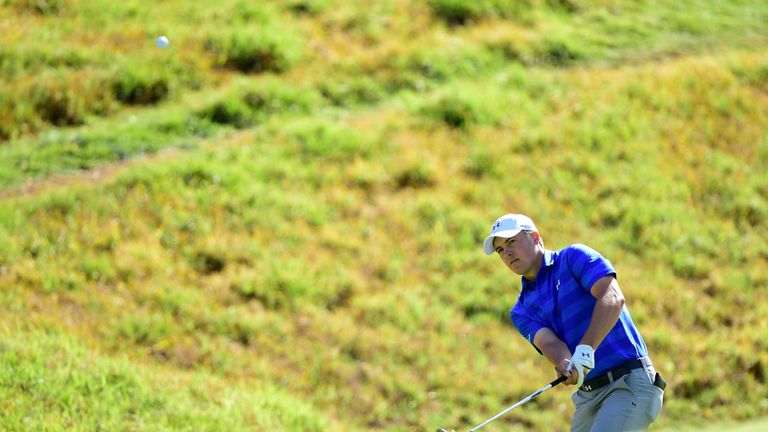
(548, 260)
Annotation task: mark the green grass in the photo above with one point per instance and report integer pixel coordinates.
(750, 426)
(307, 257)
(52, 382)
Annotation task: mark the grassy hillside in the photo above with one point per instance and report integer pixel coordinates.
(50, 382)
(305, 255)
(750, 426)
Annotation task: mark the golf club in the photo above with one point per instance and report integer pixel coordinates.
(531, 396)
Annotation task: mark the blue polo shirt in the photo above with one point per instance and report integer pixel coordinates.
(560, 299)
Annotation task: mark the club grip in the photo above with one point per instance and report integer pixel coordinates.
(558, 381)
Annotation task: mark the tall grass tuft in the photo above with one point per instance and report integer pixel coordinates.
(461, 106)
(321, 140)
(250, 104)
(139, 85)
(40, 7)
(255, 49)
(463, 12)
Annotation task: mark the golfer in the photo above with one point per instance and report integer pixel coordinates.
(572, 311)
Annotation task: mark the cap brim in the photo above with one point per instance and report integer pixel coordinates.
(488, 243)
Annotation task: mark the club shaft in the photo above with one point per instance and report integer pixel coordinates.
(531, 396)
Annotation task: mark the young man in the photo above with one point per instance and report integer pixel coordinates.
(572, 311)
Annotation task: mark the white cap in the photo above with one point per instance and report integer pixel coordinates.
(508, 226)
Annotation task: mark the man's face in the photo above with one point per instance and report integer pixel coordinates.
(517, 252)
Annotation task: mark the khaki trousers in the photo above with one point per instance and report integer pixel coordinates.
(629, 404)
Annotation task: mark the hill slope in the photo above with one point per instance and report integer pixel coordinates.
(311, 252)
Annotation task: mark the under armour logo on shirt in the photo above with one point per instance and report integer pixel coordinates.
(557, 286)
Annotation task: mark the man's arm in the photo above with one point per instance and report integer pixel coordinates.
(556, 351)
(610, 302)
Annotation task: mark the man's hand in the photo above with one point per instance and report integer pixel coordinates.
(583, 361)
(562, 369)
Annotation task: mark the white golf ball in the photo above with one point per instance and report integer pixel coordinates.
(162, 42)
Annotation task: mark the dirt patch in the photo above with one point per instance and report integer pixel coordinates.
(84, 177)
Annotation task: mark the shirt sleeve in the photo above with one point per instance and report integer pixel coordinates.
(587, 265)
(527, 326)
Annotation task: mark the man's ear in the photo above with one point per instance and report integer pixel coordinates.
(537, 238)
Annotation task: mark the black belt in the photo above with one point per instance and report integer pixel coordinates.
(611, 376)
